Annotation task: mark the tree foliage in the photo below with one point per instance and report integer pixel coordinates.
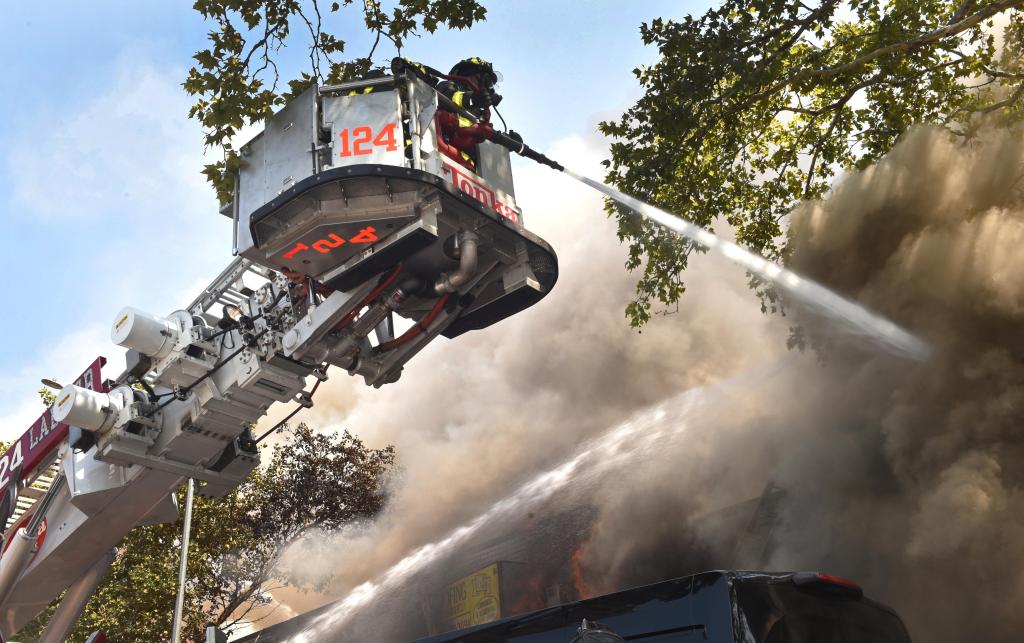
(313, 482)
(47, 396)
(756, 105)
(236, 79)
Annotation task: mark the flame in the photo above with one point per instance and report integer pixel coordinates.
(583, 588)
(531, 597)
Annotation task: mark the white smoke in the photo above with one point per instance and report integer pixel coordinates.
(474, 416)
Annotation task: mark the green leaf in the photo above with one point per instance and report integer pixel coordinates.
(756, 105)
(328, 480)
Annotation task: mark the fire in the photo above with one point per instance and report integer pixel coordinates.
(583, 588)
(531, 597)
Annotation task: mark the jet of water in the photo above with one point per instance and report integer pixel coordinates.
(819, 297)
(640, 438)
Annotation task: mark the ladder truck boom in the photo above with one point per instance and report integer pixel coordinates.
(349, 222)
(115, 450)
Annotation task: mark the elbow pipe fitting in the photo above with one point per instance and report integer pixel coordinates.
(468, 255)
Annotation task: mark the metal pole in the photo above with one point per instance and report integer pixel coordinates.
(179, 604)
(234, 218)
(75, 599)
(22, 543)
(415, 133)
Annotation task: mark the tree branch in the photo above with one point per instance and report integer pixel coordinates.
(828, 133)
(962, 11)
(910, 45)
(1003, 103)
(995, 73)
(786, 46)
(898, 48)
(376, 40)
(314, 47)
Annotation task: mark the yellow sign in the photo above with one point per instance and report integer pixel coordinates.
(475, 599)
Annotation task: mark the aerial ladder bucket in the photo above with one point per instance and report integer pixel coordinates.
(347, 187)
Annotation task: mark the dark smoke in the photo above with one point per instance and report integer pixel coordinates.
(906, 478)
(932, 236)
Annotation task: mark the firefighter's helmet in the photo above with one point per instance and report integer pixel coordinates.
(476, 67)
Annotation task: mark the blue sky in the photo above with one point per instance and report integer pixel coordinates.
(101, 200)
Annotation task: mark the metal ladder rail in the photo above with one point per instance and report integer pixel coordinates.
(226, 288)
(36, 488)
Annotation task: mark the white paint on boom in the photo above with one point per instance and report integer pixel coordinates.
(881, 330)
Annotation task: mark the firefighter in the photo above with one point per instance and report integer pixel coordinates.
(470, 85)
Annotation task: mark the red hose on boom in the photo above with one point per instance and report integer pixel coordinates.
(421, 326)
(381, 287)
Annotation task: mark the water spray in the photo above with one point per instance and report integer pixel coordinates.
(871, 325)
(867, 323)
(810, 292)
(637, 439)
(881, 330)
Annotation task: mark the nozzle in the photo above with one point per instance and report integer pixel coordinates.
(515, 143)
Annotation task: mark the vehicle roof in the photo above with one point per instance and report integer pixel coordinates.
(703, 579)
(707, 578)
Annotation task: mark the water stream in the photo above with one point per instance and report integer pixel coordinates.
(880, 330)
(643, 436)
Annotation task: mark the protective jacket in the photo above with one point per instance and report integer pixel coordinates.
(459, 136)
(477, 103)
(457, 131)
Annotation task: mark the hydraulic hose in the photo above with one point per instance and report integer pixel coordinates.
(381, 287)
(422, 326)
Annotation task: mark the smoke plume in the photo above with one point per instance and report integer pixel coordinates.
(473, 417)
(905, 477)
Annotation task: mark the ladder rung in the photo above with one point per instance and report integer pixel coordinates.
(33, 492)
